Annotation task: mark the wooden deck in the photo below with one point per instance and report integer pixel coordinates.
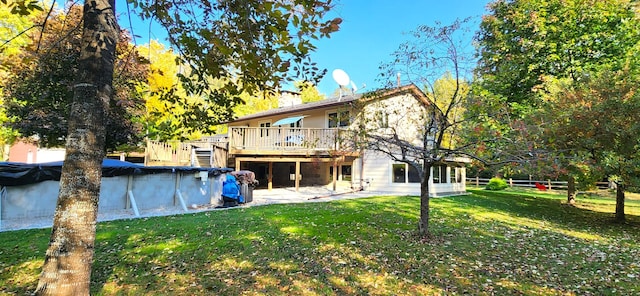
(193, 153)
(286, 141)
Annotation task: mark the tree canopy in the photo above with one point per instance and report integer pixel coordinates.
(38, 91)
(544, 69)
(523, 41)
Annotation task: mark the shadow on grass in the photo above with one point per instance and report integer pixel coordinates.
(552, 207)
(356, 247)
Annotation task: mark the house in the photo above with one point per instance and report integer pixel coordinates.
(304, 145)
(29, 152)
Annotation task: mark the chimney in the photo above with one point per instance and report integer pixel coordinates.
(398, 79)
(289, 98)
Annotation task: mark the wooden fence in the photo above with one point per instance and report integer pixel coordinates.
(549, 184)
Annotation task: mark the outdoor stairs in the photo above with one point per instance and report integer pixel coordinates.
(203, 157)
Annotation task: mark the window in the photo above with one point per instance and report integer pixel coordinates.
(338, 119)
(414, 177)
(399, 172)
(345, 173)
(403, 172)
(296, 124)
(439, 174)
(382, 118)
(264, 129)
(456, 175)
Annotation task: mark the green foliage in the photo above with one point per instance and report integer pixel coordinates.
(522, 42)
(244, 46)
(591, 118)
(361, 246)
(308, 92)
(22, 7)
(497, 184)
(39, 91)
(529, 52)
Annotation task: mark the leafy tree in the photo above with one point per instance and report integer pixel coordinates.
(39, 91)
(162, 120)
(308, 92)
(435, 58)
(523, 45)
(250, 45)
(592, 124)
(523, 41)
(12, 39)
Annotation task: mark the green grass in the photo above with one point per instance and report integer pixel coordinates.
(505, 243)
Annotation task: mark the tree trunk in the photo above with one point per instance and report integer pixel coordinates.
(423, 224)
(571, 191)
(68, 260)
(620, 202)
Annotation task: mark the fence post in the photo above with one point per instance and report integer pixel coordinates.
(477, 181)
(549, 181)
(510, 182)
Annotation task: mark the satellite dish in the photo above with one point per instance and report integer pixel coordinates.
(341, 77)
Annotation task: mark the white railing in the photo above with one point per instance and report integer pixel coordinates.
(274, 138)
(549, 184)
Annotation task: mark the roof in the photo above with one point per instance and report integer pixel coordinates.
(340, 101)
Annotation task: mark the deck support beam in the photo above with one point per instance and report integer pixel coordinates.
(270, 177)
(297, 176)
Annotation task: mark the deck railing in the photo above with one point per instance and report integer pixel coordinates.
(286, 139)
(178, 153)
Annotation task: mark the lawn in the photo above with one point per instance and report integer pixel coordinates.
(505, 243)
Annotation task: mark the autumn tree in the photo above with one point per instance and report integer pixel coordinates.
(523, 45)
(250, 45)
(308, 92)
(438, 59)
(12, 38)
(38, 92)
(592, 126)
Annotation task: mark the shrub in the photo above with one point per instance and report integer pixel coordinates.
(497, 184)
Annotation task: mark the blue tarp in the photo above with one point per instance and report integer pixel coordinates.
(15, 173)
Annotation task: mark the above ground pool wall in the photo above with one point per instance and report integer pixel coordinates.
(133, 194)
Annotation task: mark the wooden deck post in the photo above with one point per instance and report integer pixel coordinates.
(335, 174)
(297, 175)
(270, 177)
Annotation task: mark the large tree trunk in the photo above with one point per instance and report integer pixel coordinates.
(571, 190)
(423, 224)
(620, 202)
(68, 260)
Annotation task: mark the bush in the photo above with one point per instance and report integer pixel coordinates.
(497, 184)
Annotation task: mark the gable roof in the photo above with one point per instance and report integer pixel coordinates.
(341, 101)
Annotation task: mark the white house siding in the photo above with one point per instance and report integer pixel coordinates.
(378, 172)
(402, 112)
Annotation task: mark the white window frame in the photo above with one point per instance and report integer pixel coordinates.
(340, 176)
(337, 112)
(436, 168)
(407, 168)
(264, 130)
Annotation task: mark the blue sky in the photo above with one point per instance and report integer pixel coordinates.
(371, 30)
